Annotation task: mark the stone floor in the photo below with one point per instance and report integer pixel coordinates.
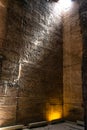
(61, 126)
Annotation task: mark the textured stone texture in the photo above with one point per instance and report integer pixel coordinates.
(38, 63)
(83, 23)
(72, 62)
(32, 72)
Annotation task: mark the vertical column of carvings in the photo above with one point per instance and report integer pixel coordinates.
(83, 21)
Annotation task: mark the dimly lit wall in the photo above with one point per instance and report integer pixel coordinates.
(41, 75)
(31, 86)
(72, 63)
(83, 23)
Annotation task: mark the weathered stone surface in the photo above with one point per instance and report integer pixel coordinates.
(38, 64)
(73, 111)
(72, 63)
(7, 115)
(32, 72)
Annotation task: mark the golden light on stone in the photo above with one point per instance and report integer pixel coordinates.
(53, 112)
(53, 115)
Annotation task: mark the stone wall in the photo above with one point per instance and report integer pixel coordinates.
(43, 53)
(83, 23)
(31, 84)
(72, 63)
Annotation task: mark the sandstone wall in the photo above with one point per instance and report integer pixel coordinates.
(72, 63)
(31, 86)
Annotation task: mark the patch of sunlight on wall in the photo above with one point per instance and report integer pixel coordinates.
(19, 74)
(66, 4)
(53, 112)
(52, 19)
(52, 115)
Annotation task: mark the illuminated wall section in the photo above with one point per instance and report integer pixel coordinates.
(32, 80)
(72, 62)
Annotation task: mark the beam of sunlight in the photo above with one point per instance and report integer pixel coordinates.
(53, 111)
(54, 18)
(53, 115)
(66, 3)
(19, 75)
(6, 87)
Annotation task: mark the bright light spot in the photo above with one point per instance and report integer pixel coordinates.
(53, 112)
(19, 71)
(19, 75)
(36, 43)
(6, 87)
(56, 9)
(25, 61)
(52, 115)
(65, 3)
